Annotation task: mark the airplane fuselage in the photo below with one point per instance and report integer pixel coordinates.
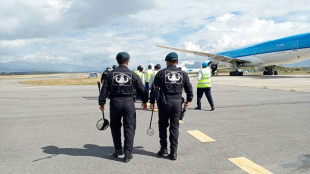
(281, 51)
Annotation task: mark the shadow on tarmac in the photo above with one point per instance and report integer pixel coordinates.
(90, 150)
(301, 165)
(193, 109)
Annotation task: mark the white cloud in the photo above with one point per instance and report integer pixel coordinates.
(93, 32)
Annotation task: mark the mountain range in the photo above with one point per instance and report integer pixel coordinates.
(23, 66)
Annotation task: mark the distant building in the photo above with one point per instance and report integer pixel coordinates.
(92, 75)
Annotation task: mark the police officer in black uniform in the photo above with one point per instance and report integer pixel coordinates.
(170, 83)
(122, 84)
(114, 66)
(105, 74)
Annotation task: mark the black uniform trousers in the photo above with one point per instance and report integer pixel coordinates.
(147, 88)
(207, 91)
(123, 107)
(169, 111)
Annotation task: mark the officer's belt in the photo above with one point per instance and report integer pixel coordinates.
(169, 96)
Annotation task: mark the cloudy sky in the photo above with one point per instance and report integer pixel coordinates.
(92, 32)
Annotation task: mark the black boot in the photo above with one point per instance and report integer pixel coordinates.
(127, 158)
(118, 152)
(173, 155)
(162, 152)
(198, 108)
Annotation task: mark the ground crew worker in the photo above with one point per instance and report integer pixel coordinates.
(139, 72)
(148, 74)
(204, 85)
(170, 83)
(156, 69)
(105, 74)
(122, 84)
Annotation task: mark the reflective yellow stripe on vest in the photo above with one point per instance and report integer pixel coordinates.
(148, 75)
(205, 81)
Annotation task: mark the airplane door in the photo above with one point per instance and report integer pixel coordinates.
(255, 51)
(295, 45)
(294, 52)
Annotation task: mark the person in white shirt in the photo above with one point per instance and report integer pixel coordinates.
(156, 69)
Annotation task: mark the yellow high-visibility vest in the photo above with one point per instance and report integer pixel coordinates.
(148, 75)
(205, 80)
(154, 74)
(139, 74)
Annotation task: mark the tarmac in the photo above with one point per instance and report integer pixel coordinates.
(260, 125)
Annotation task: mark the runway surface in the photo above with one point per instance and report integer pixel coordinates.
(260, 124)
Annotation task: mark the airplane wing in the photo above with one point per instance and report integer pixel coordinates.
(212, 56)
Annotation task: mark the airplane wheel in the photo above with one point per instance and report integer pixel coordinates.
(236, 73)
(275, 72)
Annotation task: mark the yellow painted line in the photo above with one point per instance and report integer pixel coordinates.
(249, 166)
(201, 136)
(180, 121)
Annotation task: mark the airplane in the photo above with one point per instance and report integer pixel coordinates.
(183, 64)
(265, 55)
(183, 67)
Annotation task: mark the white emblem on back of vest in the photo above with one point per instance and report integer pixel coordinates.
(173, 77)
(122, 79)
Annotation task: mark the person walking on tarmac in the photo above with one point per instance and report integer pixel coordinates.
(105, 74)
(204, 85)
(148, 74)
(139, 72)
(156, 69)
(122, 84)
(170, 83)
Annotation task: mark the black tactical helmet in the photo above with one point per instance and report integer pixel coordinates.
(114, 66)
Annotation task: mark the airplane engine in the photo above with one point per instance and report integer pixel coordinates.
(213, 66)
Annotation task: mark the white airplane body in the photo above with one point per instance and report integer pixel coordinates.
(263, 55)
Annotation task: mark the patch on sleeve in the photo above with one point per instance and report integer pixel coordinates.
(173, 77)
(122, 79)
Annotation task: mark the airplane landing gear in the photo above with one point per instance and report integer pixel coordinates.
(235, 66)
(236, 73)
(214, 68)
(269, 70)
